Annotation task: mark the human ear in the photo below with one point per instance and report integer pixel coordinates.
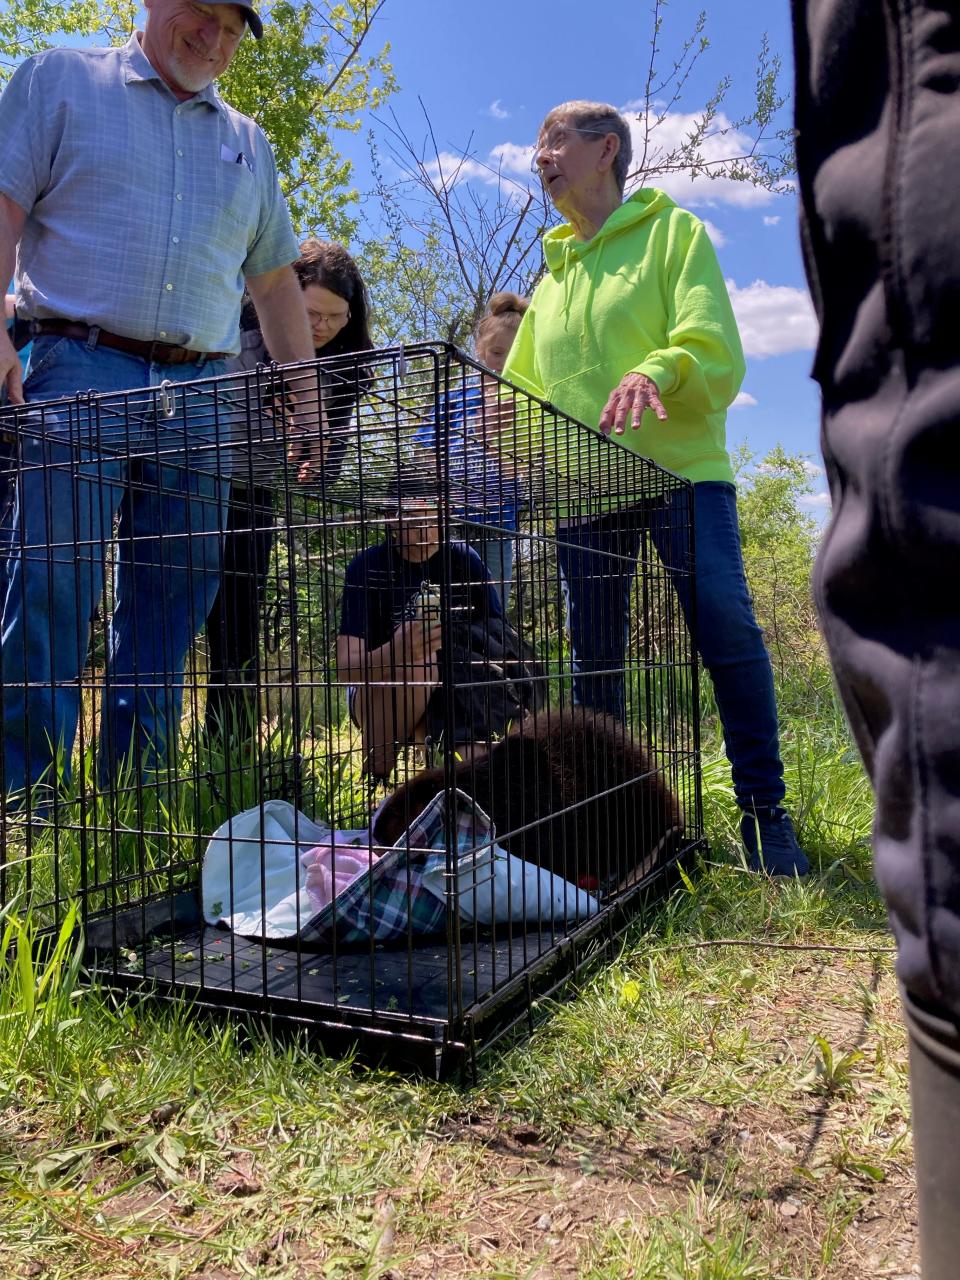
(611, 149)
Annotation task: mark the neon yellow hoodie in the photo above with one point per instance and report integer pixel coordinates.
(644, 295)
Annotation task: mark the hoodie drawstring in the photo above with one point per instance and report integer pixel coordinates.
(591, 290)
(568, 252)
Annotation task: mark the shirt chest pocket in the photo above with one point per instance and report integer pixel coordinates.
(232, 207)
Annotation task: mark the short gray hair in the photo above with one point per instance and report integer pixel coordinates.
(604, 118)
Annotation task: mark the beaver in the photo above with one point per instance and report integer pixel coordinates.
(570, 790)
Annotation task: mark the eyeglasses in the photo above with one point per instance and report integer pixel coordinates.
(556, 140)
(336, 320)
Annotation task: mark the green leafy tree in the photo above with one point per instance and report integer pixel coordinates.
(309, 80)
(780, 539)
(28, 26)
(750, 149)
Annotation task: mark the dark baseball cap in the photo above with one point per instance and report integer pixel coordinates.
(251, 15)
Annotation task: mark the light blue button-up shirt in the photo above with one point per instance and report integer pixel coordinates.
(143, 214)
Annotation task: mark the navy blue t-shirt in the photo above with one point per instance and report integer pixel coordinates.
(380, 584)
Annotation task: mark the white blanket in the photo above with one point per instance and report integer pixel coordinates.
(252, 878)
(254, 883)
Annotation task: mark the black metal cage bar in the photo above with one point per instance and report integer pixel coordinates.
(381, 728)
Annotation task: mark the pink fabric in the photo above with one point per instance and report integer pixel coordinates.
(332, 866)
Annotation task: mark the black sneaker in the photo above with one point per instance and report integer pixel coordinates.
(771, 843)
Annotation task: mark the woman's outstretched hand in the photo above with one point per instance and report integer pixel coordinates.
(635, 394)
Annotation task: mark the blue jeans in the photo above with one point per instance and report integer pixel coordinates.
(598, 563)
(8, 477)
(495, 549)
(83, 470)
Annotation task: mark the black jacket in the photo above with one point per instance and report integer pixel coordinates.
(494, 679)
(878, 155)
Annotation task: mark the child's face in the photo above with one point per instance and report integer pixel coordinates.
(417, 532)
(493, 351)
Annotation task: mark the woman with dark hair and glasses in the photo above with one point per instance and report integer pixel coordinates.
(339, 314)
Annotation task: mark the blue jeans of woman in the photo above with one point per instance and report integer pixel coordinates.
(80, 470)
(598, 564)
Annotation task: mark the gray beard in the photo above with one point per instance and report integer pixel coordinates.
(191, 81)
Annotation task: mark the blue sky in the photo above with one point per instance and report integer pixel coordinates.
(494, 69)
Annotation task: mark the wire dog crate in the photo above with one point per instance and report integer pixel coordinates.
(359, 695)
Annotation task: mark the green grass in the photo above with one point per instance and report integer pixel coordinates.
(688, 1112)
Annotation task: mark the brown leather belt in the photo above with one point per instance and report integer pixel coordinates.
(155, 352)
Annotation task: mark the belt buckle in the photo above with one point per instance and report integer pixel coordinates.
(164, 353)
(174, 354)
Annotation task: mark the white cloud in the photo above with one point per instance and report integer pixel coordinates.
(512, 158)
(744, 401)
(812, 469)
(815, 501)
(450, 167)
(715, 234)
(771, 219)
(724, 141)
(773, 319)
(501, 164)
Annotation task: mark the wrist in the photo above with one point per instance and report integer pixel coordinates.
(659, 373)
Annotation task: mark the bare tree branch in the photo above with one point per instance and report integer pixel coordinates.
(478, 228)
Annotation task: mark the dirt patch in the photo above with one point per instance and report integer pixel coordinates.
(537, 1208)
(546, 1207)
(801, 1169)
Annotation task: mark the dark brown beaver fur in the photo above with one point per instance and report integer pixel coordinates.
(570, 790)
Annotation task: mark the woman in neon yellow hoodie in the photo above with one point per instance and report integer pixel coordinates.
(631, 331)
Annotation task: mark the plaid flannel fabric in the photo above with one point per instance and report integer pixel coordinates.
(403, 892)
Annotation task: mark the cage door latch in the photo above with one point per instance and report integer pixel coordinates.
(168, 403)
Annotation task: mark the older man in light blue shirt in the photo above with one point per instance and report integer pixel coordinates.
(134, 203)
